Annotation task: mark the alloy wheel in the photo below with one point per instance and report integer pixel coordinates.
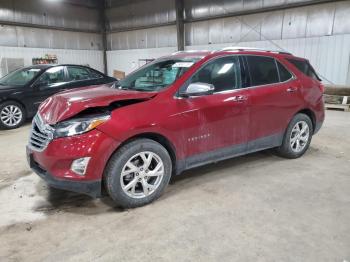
(11, 115)
(299, 136)
(142, 174)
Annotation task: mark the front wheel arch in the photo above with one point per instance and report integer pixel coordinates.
(161, 139)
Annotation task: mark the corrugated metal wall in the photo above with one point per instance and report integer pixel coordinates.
(17, 36)
(164, 36)
(301, 22)
(49, 13)
(131, 14)
(128, 61)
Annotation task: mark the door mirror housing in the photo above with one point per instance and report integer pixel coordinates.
(198, 89)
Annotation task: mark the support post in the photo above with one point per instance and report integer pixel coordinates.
(102, 8)
(180, 26)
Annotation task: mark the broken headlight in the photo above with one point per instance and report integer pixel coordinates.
(79, 125)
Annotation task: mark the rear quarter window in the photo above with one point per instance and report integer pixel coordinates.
(304, 67)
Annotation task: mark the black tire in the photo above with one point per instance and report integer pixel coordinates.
(113, 170)
(3, 124)
(286, 150)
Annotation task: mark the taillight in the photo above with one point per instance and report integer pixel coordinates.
(322, 88)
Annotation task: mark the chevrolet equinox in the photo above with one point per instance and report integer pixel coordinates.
(175, 113)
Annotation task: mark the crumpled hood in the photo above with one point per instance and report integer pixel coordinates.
(69, 103)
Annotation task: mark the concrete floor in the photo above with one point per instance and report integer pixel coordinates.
(254, 208)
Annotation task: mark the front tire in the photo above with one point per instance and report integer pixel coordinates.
(138, 173)
(12, 115)
(297, 137)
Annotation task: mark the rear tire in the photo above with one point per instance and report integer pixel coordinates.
(138, 173)
(12, 115)
(297, 137)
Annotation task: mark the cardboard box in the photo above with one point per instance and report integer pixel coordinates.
(118, 74)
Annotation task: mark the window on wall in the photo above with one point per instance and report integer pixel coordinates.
(285, 75)
(263, 70)
(223, 73)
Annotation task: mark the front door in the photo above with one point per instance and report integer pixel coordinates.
(49, 83)
(216, 125)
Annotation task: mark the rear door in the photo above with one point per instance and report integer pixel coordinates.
(52, 81)
(275, 98)
(216, 123)
(79, 76)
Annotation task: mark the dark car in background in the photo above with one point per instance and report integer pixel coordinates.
(22, 91)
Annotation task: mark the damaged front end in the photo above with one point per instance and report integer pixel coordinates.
(86, 102)
(66, 147)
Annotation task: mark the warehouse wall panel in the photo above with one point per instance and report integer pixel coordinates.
(300, 22)
(199, 9)
(131, 14)
(46, 38)
(50, 13)
(128, 61)
(164, 36)
(92, 58)
(342, 18)
(320, 20)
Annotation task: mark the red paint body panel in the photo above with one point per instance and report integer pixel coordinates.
(61, 152)
(192, 125)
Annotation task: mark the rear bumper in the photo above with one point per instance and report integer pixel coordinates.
(91, 188)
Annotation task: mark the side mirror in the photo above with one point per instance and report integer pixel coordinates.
(198, 89)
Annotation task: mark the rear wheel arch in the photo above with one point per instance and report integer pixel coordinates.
(310, 114)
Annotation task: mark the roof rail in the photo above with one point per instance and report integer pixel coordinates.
(239, 48)
(189, 52)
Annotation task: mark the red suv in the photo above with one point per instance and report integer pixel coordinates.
(176, 113)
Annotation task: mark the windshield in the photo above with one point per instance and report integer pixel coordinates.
(156, 75)
(19, 77)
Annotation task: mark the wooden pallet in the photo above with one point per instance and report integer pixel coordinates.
(345, 108)
(337, 102)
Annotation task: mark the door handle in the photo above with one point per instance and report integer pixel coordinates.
(239, 98)
(292, 89)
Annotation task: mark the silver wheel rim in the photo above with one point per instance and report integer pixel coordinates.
(142, 174)
(11, 115)
(299, 136)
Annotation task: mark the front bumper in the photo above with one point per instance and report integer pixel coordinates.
(53, 164)
(91, 188)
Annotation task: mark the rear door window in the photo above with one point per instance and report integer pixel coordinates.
(78, 73)
(52, 77)
(263, 70)
(304, 67)
(285, 75)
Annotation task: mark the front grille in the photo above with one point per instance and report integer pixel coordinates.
(40, 135)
